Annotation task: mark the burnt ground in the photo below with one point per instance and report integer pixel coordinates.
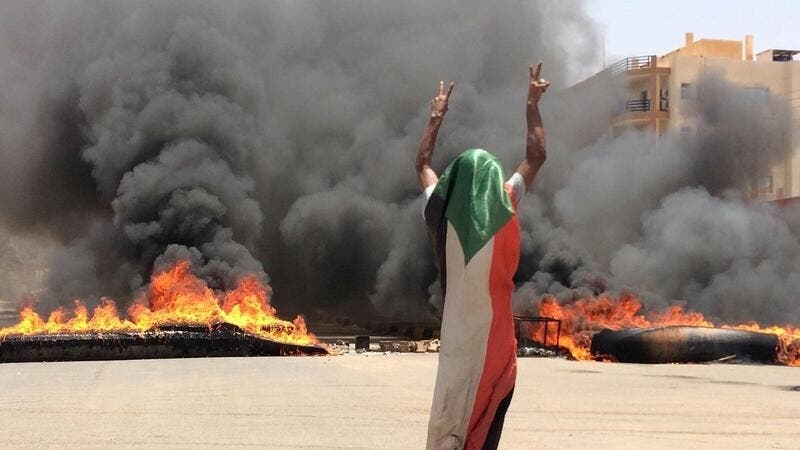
(376, 400)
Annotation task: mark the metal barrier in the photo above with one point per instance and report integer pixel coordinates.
(524, 338)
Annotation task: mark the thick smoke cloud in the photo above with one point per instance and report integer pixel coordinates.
(278, 138)
(728, 258)
(254, 136)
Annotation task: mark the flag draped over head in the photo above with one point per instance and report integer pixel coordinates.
(471, 215)
(478, 205)
(469, 195)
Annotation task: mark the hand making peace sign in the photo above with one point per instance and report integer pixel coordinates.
(439, 103)
(537, 85)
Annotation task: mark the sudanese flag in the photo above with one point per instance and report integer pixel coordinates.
(471, 216)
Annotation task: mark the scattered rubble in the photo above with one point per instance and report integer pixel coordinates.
(537, 352)
(362, 344)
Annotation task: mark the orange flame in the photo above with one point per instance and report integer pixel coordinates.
(175, 296)
(584, 317)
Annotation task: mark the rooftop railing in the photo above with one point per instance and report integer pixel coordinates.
(632, 63)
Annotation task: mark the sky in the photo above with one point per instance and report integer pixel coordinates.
(645, 27)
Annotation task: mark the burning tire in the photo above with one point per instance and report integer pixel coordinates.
(684, 344)
(179, 341)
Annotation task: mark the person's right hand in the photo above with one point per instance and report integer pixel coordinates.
(439, 103)
(537, 86)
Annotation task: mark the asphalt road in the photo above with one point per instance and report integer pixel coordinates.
(377, 401)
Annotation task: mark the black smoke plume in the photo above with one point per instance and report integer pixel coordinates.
(254, 136)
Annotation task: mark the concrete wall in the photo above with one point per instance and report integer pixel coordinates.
(709, 48)
(793, 96)
(23, 266)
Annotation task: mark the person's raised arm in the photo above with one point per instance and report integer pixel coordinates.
(427, 176)
(535, 153)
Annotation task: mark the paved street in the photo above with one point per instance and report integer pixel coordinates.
(377, 401)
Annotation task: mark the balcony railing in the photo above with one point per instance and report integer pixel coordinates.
(636, 106)
(632, 63)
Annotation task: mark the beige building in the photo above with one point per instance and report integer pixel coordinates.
(660, 95)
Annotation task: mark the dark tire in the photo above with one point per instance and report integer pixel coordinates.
(684, 344)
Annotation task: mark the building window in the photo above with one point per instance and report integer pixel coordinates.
(686, 91)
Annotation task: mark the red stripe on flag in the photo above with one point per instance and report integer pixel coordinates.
(500, 365)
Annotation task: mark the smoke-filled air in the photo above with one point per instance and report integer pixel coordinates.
(278, 138)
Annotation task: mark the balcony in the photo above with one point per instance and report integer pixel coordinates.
(641, 105)
(640, 111)
(633, 63)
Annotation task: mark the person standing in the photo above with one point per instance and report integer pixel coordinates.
(471, 215)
